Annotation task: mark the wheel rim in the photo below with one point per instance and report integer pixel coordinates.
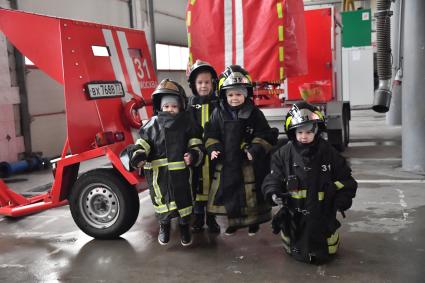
(99, 206)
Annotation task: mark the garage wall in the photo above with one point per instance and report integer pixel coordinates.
(11, 140)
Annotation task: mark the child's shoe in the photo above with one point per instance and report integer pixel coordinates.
(230, 230)
(212, 224)
(253, 229)
(186, 236)
(198, 224)
(164, 234)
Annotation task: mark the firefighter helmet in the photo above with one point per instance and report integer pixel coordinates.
(168, 87)
(199, 67)
(234, 76)
(302, 113)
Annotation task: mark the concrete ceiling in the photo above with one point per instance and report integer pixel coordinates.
(170, 21)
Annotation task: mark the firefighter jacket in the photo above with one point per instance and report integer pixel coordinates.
(201, 108)
(165, 139)
(236, 185)
(313, 178)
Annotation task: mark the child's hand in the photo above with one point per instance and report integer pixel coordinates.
(187, 158)
(214, 154)
(248, 155)
(141, 163)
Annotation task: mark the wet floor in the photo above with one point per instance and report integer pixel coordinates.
(383, 236)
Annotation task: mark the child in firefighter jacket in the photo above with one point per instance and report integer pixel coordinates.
(169, 142)
(202, 80)
(311, 181)
(239, 138)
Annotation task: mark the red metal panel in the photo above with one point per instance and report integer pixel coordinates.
(266, 53)
(36, 36)
(129, 57)
(319, 53)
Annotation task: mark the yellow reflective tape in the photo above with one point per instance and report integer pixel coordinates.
(220, 83)
(172, 205)
(178, 165)
(321, 196)
(204, 114)
(201, 197)
(160, 208)
(188, 18)
(185, 211)
(299, 194)
(339, 185)
(148, 166)
(206, 175)
(243, 144)
(139, 150)
(189, 45)
(281, 53)
(157, 190)
(333, 243)
(279, 10)
(282, 73)
(211, 142)
(280, 32)
(194, 142)
(144, 145)
(288, 122)
(190, 53)
(320, 114)
(159, 162)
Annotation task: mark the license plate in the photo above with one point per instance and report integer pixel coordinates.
(105, 90)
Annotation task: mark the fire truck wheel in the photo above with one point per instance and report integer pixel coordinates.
(103, 204)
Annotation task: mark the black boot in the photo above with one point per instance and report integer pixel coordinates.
(253, 229)
(212, 224)
(198, 224)
(164, 233)
(186, 236)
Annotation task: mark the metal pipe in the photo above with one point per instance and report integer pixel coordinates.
(382, 97)
(152, 32)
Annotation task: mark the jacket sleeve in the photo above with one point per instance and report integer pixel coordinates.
(145, 143)
(212, 135)
(195, 144)
(344, 182)
(263, 139)
(275, 181)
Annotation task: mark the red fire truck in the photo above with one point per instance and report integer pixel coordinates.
(107, 76)
(291, 54)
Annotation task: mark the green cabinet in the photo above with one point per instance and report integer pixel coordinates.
(356, 28)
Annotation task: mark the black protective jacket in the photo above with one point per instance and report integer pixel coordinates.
(201, 108)
(308, 219)
(236, 186)
(165, 139)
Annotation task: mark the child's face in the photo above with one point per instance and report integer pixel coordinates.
(234, 97)
(172, 108)
(304, 136)
(203, 84)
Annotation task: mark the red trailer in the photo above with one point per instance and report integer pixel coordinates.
(108, 76)
(290, 54)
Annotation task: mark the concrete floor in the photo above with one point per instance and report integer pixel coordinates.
(383, 236)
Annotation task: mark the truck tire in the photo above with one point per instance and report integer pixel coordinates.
(103, 204)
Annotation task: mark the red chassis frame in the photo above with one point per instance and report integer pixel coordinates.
(64, 49)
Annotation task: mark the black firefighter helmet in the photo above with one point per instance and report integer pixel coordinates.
(168, 87)
(199, 67)
(234, 76)
(303, 113)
